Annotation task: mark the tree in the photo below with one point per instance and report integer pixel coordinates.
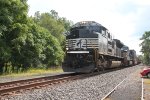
(24, 43)
(50, 23)
(146, 47)
(54, 24)
(13, 16)
(54, 14)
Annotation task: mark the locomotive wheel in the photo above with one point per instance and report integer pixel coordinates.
(99, 65)
(109, 63)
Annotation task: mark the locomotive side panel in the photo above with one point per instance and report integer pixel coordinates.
(102, 44)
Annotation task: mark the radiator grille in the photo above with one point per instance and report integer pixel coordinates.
(82, 43)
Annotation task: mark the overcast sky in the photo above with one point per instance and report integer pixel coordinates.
(127, 20)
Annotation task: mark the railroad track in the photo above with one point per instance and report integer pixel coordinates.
(16, 87)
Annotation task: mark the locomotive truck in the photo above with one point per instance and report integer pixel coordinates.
(90, 47)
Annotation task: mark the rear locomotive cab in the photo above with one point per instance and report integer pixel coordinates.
(133, 57)
(126, 52)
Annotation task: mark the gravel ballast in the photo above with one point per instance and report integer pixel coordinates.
(92, 88)
(130, 89)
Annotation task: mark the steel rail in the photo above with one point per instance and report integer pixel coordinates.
(16, 86)
(10, 87)
(33, 79)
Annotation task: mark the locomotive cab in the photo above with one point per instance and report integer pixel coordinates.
(83, 31)
(80, 45)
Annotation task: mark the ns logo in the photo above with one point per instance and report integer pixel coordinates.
(81, 43)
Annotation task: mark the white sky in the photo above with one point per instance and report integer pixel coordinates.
(127, 20)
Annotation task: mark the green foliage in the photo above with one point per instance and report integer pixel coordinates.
(140, 57)
(36, 47)
(26, 43)
(146, 47)
(13, 13)
(54, 24)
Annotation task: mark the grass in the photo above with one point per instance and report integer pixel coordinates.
(34, 71)
(147, 81)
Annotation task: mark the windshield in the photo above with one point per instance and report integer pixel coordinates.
(125, 48)
(83, 32)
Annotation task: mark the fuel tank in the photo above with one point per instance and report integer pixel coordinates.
(115, 64)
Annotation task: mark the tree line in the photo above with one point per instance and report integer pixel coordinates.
(25, 42)
(146, 47)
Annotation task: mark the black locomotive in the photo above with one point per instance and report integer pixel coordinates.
(90, 46)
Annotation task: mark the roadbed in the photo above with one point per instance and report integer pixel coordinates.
(4, 79)
(130, 89)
